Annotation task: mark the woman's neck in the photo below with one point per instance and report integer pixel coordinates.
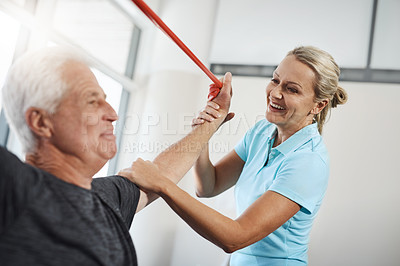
(284, 133)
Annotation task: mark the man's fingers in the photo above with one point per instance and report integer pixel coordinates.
(212, 94)
(227, 87)
(229, 117)
(226, 90)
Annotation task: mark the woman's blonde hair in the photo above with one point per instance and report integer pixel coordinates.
(327, 78)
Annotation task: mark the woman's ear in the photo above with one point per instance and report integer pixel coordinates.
(39, 122)
(320, 105)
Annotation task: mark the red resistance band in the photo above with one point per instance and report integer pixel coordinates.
(214, 88)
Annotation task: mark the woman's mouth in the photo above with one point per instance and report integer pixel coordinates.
(276, 107)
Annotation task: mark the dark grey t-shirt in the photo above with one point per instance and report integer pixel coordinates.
(46, 221)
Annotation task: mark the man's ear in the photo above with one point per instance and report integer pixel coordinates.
(320, 105)
(39, 122)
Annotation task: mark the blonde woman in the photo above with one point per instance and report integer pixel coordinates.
(280, 168)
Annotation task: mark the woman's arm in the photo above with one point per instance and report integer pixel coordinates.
(212, 180)
(263, 217)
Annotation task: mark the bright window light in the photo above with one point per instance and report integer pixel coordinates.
(113, 90)
(105, 32)
(9, 30)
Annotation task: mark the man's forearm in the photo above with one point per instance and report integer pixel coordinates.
(176, 160)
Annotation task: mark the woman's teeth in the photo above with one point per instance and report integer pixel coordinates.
(277, 106)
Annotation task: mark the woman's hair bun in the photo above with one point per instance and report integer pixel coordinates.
(340, 97)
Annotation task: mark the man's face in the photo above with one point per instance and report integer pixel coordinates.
(82, 124)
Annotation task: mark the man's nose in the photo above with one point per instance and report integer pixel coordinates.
(110, 114)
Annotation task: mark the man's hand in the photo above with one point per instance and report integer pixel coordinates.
(213, 110)
(223, 100)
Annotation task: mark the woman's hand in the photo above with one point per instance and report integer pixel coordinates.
(210, 113)
(146, 175)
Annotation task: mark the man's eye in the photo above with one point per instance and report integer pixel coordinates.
(274, 81)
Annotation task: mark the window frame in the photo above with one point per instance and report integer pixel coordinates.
(26, 16)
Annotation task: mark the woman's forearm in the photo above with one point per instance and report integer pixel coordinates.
(215, 227)
(212, 180)
(204, 174)
(264, 215)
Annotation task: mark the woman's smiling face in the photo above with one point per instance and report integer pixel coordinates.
(290, 95)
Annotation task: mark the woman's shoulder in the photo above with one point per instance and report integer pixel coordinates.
(313, 150)
(263, 126)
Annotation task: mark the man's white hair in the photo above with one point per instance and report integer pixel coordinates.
(35, 80)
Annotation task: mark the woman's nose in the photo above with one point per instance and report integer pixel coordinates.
(276, 92)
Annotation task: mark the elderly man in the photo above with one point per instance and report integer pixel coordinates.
(52, 212)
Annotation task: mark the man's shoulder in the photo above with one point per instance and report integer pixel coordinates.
(16, 172)
(115, 186)
(114, 180)
(20, 185)
(119, 193)
(8, 160)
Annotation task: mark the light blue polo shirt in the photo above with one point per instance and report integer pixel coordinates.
(298, 169)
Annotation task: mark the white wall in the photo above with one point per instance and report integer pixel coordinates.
(358, 221)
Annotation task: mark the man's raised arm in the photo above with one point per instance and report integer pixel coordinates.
(176, 161)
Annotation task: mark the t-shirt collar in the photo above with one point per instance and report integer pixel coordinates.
(297, 139)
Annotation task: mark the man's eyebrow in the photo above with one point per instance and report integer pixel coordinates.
(94, 94)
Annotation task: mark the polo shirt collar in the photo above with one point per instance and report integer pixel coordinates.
(299, 138)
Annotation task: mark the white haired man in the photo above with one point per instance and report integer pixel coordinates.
(52, 211)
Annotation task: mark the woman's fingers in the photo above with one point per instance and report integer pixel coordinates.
(197, 121)
(211, 111)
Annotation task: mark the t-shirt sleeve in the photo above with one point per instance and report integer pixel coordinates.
(244, 147)
(19, 182)
(120, 193)
(240, 148)
(303, 178)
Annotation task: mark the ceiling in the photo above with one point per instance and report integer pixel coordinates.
(264, 30)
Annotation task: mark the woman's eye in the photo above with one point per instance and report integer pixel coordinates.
(293, 90)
